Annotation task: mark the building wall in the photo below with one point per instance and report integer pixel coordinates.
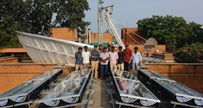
(64, 33)
(107, 37)
(125, 32)
(187, 74)
(12, 75)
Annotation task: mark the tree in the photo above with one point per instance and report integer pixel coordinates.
(107, 31)
(45, 14)
(191, 53)
(11, 15)
(172, 31)
(38, 16)
(195, 33)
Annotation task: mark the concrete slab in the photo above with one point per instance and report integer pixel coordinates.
(100, 97)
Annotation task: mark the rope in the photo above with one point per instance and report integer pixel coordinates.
(126, 33)
(129, 30)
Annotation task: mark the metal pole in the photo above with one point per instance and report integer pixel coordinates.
(100, 37)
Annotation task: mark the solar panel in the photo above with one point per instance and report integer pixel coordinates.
(30, 89)
(173, 90)
(131, 90)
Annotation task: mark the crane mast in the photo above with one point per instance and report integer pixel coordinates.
(99, 16)
(109, 21)
(113, 29)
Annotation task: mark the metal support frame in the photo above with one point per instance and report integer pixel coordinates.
(86, 102)
(17, 105)
(131, 105)
(174, 91)
(43, 49)
(114, 97)
(113, 29)
(183, 104)
(30, 93)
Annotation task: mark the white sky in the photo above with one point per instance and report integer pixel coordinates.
(128, 12)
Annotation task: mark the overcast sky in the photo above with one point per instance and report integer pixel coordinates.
(128, 12)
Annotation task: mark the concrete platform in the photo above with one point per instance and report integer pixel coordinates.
(100, 97)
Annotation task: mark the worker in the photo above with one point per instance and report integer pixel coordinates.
(127, 57)
(136, 60)
(113, 59)
(86, 58)
(104, 57)
(94, 56)
(78, 60)
(120, 63)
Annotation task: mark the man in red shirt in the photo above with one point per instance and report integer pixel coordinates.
(127, 57)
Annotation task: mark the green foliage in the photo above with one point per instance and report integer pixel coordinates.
(107, 31)
(66, 13)
(191, 53)
(38, 16)
(172, 31)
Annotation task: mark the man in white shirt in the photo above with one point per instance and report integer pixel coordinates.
(86, 58)
(136, 60)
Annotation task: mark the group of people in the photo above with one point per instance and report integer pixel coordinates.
(104, 60)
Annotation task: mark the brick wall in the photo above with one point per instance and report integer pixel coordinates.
(14, 74)
(64, 33)
(107, 37)
(187, 74)
(125, 32)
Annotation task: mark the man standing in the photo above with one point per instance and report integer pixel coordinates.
(100, 49)
(86, 58)
(104, 57)
(113, 59)
(78, 59)
(95, 61)
(120, 59)
(127, 58)
(136, 60)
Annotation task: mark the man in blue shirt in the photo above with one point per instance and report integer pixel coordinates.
(78, 59)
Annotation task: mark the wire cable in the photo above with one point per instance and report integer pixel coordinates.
(121, 26)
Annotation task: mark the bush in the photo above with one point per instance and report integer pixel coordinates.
(191, 53)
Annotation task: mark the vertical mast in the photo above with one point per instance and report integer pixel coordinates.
(100, 37)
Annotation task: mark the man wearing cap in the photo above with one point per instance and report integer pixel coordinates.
(95, 61)
(127, 57)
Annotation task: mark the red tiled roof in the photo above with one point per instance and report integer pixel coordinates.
(12, 50)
